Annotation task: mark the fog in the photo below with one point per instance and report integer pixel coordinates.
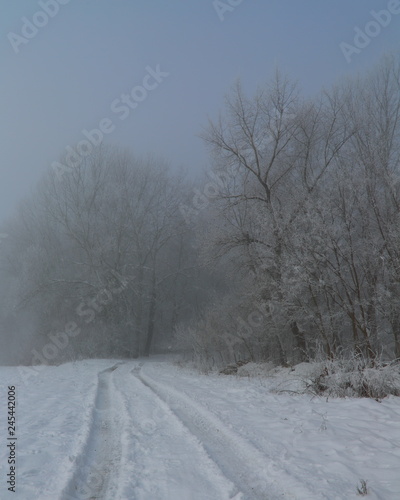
(64, 78)
(97, 97)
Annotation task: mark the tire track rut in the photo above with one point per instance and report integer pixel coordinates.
(253, 473)
(96, 467)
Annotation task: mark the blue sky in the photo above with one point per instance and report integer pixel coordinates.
(66, 77)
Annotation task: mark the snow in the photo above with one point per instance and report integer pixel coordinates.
(150, 429)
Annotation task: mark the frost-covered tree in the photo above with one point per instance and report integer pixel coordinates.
(277, 150)
(309, 210)
(105, 247)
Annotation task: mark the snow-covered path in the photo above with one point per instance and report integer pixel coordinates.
(95, 473)
(149, 430)
(164, 459)
(254, 474)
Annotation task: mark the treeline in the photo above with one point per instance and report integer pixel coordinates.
(310, 213)
(288, 251)
(99, 262)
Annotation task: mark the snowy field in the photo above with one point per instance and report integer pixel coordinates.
(150, 430)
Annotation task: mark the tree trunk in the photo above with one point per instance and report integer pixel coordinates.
(281, 351)
(300, 339)
(151, 321)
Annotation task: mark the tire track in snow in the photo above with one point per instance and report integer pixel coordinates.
(96, 467)
(162, 459)
(246, 466)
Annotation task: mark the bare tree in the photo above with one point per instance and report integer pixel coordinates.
(277, 150)
(96, 248)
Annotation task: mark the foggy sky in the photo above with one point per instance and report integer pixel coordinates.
(68, 74)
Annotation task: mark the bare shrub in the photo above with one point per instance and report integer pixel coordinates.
(356, 377)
